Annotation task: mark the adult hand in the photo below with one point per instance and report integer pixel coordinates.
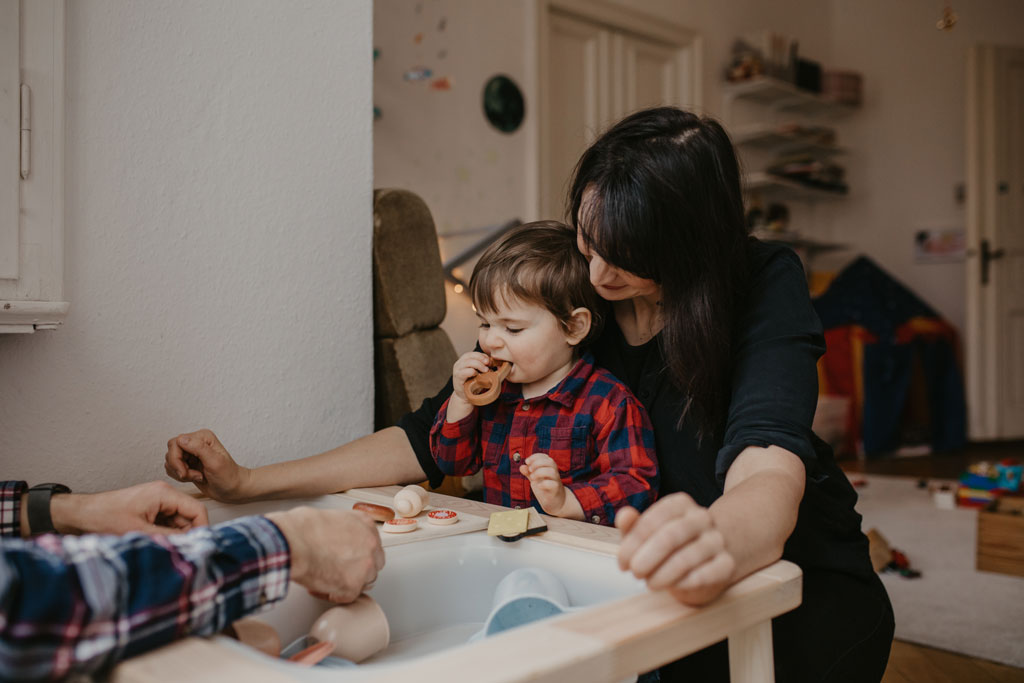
(200, 458)
(674, 545)
(336, 553)
(152, 508)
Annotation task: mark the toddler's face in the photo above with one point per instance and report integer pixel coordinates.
(526, 335)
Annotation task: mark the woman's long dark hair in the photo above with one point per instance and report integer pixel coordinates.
(660, 197)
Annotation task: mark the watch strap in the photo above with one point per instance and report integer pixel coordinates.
(39, 520)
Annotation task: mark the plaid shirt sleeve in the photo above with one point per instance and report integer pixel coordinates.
(10, 507)
(78, 604)
(456, 445)
(627, 470)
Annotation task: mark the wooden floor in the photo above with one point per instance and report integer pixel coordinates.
(940, 465)
(911, 663)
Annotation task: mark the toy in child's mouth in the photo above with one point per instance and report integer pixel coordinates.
(485, 387)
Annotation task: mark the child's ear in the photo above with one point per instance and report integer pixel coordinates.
(578, 326)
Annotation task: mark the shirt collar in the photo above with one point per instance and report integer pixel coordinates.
(565, 392)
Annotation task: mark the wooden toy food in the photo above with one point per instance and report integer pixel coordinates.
(410, 500)
(312, 654)
(485, 387)
(442, 517)
(399, 525)
(378, 513)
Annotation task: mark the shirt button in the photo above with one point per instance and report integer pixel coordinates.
(526, 406)
(516, 457)
(596, 519)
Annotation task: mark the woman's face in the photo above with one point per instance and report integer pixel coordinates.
(611, 283)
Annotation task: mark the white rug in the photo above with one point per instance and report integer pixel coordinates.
(951, 606)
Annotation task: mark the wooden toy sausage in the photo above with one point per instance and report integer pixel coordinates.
(484, 388)
(378, 513)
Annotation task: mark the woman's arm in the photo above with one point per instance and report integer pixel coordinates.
(698, 552)
(378, 459)
(758, 510)
(764, 462)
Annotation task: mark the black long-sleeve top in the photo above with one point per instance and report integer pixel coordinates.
(774, 393)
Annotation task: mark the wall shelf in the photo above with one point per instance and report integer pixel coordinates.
(784, 189)
(794, 240)
(772, 137)
(783, 96)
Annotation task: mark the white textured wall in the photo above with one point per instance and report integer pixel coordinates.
(218, 241)
(910, 139)
(438, 143)
(907, 142)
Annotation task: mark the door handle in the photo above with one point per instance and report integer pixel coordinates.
(987, 256)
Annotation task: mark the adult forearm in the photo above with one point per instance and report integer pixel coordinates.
(758, 510)
(378, 459)
(76, 605)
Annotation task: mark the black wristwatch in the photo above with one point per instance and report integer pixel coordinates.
(39, 520)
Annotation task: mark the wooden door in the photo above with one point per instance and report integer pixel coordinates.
(995, 227)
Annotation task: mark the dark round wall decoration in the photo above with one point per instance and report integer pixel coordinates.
(503, 104)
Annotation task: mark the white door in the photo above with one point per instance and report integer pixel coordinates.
(598, 63)
(995, 227)
(575, 105)
(651, 75)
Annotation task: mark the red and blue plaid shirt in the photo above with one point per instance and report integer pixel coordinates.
(590, 424)
(78, 604)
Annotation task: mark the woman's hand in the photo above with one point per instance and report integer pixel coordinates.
(200, 458)
(674, 545)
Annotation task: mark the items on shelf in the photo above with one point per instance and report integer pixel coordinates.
(774, 219)
(805, 168)
(763, 54)
(775, 56)
(845, 87)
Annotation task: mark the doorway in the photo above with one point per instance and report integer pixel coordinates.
(995, 234)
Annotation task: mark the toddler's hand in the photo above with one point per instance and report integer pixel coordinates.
(545, 481)
(467, 366)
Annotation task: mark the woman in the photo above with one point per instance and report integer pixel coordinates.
(716, 335)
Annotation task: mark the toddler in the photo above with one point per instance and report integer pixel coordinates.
(563, 435)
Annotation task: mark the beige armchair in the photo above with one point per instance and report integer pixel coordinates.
(413, 356)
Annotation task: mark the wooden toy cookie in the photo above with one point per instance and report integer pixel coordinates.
(485, 387)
